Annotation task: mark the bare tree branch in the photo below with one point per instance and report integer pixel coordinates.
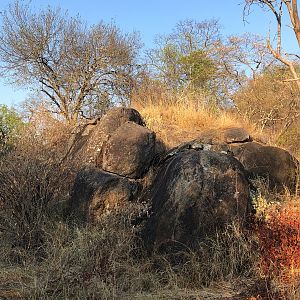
(65, 59)
(276, 7)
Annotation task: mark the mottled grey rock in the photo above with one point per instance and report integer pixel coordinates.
(224, 136)
(129, 151)
(96, 193)
(118, 116)
(195, 192)
(274, 164)
(88, 142)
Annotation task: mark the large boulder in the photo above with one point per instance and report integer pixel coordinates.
(274, 164)
(195, 191)
(129, 151)
(228, 135)
(118, 116)
(87, 143)
(96, 193)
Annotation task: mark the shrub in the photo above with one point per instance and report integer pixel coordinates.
(290, 138)
(33, 183)
(105, 261)
(279, 240)
(10, 127)
(92, 262)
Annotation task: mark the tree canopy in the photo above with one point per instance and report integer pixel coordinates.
(195, 56)
(73, 65)
(183, 58)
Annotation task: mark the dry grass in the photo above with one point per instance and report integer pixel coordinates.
(177, 118)
(103, 262)
(180, 117)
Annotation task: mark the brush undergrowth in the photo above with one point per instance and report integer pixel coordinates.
(277, 228)
(43, 255)
(105, 262)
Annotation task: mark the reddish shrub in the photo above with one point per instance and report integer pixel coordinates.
(279, 241)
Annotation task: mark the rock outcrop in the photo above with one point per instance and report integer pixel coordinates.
(129, 151)
(191, 189)
(117, 149)
(224, 136)
(118, 116)
(87, 144)
(275, 165)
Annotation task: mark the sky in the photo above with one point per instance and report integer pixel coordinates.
(153, 17)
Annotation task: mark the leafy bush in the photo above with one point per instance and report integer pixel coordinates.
(33, 183)
(10, 126)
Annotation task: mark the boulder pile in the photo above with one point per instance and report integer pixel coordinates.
(190, 190)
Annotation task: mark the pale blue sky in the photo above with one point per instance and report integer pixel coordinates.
(152, 17)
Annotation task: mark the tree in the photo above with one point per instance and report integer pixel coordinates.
(74, 65)
(10, 126)
(238, 58)
(277, 8)
(195, 56)
(245, 55)
(183, 59)
(197, 69)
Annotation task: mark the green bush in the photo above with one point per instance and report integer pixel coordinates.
(10, 126)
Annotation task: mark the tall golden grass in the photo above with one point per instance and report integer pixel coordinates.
(179, 117)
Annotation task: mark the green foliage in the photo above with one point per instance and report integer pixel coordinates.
(197, 68)
(185, 58)
(10, 126)
(191, 71)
